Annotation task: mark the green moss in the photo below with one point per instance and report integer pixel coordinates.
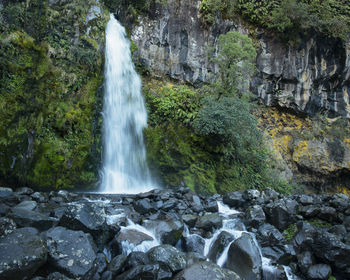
(290, 232)
(50, 82)
(317, 223)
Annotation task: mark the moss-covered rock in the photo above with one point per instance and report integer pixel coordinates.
(51, 65)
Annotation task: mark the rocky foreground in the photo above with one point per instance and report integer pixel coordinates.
(178, 235)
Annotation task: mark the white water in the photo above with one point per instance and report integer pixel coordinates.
(124, 118)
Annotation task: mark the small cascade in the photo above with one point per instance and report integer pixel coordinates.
(143, 246)
(124, 119)
(231, 224)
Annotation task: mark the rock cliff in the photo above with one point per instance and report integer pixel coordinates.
(308, 76)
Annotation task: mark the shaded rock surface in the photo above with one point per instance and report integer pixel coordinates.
(22, 253)
(71, 252)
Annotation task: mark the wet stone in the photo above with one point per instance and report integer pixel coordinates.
(206, 271)
(71, 252)
(168, 256)
(23, 251)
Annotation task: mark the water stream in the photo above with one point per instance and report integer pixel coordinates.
(231, 224)
(124, 119)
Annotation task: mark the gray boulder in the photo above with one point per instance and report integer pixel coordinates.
(222, 241)
(209, 221)
(194, 243)
(145, 272)
(169, 256)
(144, 206)
(255, 216)
(281, 213)
(168, 231)
(71, 252)
(244, 258)
(117, 264)
(319, 272)
(131, 236)
(6, 226)
(234, 199)
(206, 271)
(88, 217)
(28, 218)
(22, 253)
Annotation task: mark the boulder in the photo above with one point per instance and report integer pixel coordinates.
(136, 259)
(189, 219)
(206, 271)
(143, 206)
(168, 231)
(116, 266)
(88, 217)
(6, 226)
(319, 272)
(24, 191)
(192, 258)
(234, 199)
(328, 214)
(145, 272)
(27, 218)
(281, 213)
(255, 216)
(328, 248)
(305, 260)
(169, 204)
(28, 205)
(268, 235)
(169, 256)
(211, 204)
(101, 262)
(131, 237)
(23, 252)
(194, 243)
(251, 194)
(221, 242)
(244, 258)
(71, 252)
(209, 221)
(306, 199)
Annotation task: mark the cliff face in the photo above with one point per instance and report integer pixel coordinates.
(308, 77)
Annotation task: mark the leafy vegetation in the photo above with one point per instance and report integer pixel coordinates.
(288, 18)
(209, 142)
(49, 80)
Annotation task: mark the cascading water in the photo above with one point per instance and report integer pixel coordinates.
(124, 118)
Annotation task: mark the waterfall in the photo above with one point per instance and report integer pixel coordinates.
(124, 118)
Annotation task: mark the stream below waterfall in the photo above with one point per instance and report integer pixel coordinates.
(232, 225)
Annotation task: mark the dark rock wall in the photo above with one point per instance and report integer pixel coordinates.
(309, 76)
